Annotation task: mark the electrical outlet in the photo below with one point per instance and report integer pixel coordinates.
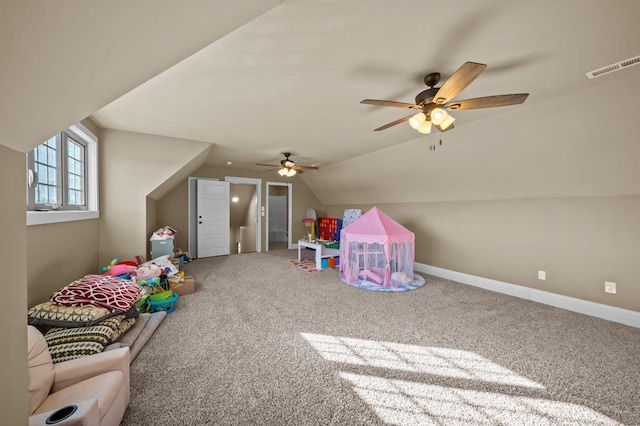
(542, 275)
(610, 287)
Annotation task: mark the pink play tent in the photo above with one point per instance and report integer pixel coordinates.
(378, 253)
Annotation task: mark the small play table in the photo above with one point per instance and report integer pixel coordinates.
(321, 251)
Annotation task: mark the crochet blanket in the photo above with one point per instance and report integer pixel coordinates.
(111, 293)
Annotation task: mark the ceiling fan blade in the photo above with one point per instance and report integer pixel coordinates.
(489, 101)
(390, 103)
(393, 123)
(451, 126)
(306, 167)
(458, 81)
(268, 165)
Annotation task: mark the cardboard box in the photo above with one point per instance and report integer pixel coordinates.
(188, 286)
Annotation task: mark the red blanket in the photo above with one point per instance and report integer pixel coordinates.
(106, 292)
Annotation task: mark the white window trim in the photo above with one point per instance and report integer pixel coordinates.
(92, 212)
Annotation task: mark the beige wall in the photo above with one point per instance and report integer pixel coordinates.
(13, 333)
(174, 204)
(59, 253)
(134, 165)
(579, 242)
(172, 211)
(152, 223)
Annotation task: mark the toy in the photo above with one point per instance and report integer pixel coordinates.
(120, 266)
(105, 269)
(120, 269)
(182, 256)
(147, 272)
(401, 277)
(150, 283)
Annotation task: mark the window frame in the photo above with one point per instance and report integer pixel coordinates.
(80, 134)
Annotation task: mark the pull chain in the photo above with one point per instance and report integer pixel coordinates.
(433, 147)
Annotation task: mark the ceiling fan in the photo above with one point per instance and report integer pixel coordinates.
(288, 167)
(432, 102)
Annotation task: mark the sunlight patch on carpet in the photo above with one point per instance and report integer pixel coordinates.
(403, 402)
(443, 362)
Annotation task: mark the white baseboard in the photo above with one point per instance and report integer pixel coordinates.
(611, 313)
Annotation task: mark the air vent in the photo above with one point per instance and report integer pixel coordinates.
(614, 67)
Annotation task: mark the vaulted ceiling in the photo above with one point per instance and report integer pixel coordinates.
(292, 79)
(258, 78)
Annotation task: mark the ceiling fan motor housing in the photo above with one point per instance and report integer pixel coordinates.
(426, 96)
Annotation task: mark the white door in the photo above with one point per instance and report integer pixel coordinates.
(213, 218)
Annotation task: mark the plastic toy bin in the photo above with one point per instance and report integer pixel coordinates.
(168, 305)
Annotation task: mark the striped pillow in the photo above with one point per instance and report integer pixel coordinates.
(70, 343)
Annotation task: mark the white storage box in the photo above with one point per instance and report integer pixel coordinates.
(161, 247)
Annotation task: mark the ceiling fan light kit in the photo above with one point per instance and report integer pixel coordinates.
(425, 127)
(286, 172)
(437, 116)
(417, 120)
(287, 167)
(433, 101)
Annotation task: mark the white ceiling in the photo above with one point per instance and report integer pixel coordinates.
(292, 79)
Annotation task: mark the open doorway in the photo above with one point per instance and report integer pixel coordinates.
(244, 214)
(242, 218)
(279, 205)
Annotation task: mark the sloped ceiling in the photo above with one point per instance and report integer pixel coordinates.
(291, 80)
(63, 60)
(258, 78)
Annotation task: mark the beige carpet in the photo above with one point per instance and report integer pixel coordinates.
(263, 343)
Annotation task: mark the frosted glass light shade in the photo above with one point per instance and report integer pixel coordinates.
(425, 128)
(282, 172)
(448, 121)
(291, 172)
(438, 115)
(417, 120)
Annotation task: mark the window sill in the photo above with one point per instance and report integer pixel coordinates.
(43, 218)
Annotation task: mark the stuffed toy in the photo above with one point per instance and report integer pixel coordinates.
(147, 272)
(120, 269)
(117, 268)
(401, 277)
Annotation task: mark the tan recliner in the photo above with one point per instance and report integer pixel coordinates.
(92, 390)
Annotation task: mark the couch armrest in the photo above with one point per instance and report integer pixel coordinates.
(68, 373)
(87, 413)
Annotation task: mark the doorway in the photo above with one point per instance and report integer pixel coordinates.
(278, 212)
(245, 213)
(243, 218)
(228, 241)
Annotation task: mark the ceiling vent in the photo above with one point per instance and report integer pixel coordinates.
(614, 67)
